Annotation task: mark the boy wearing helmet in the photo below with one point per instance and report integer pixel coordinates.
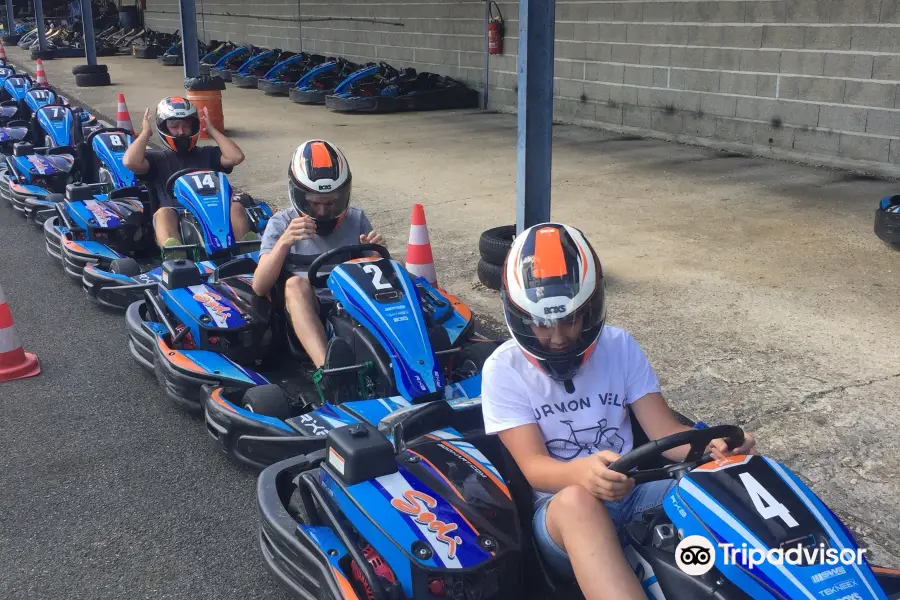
(557, 394)
(178, 126)
(320, 219)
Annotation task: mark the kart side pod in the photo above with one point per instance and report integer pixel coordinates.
(359, 452)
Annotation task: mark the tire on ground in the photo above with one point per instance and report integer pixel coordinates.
(490, 275)
(92, 79)
(494, 243)
(85, 69)
(268, 400)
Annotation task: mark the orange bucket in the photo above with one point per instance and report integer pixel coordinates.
(212, 101)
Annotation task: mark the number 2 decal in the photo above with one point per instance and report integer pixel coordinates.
(377, 277)
(206, 183)
(766, 504)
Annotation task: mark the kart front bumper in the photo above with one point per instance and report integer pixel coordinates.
(299, 96)
(295, 560)
(244, 81)
(275, 88)
(254, 440)
(113, 291)
(225, 74)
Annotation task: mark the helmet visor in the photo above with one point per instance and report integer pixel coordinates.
(558, 330)
(321, 205)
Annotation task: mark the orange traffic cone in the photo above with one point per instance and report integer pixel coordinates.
(419, 260)
(15, 363)
(123, 117)
(2, 52)
(40, 75)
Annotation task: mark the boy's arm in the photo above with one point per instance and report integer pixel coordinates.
(135, 159)
(232, 155)
(276, 245)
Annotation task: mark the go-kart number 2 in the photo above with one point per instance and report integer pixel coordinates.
(377, 277)
(766, 504)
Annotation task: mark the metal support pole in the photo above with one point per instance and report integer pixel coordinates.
(10, 18)
(487, 54)
(188, 9)
(87, 23)
(39, 21)
(535, 111)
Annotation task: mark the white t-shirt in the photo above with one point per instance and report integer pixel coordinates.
(594, 417)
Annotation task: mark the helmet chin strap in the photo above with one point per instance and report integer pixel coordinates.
(570, 387)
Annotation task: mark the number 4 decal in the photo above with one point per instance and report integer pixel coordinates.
(766, 504)
(377, 277)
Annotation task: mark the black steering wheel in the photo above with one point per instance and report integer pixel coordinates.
(93, 134)
(698, 439)
(351, 252)
(170, 183)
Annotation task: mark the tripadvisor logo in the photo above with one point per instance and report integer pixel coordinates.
(696, 555)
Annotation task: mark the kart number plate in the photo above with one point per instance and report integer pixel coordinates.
(204, 184)
(54, 113)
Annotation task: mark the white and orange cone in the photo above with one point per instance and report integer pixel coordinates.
(40, 75)
(15, 363)
(3, 52)
(123, 117)
(419, 259)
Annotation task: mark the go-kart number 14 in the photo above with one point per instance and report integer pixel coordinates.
(206, 183)
(766, 504)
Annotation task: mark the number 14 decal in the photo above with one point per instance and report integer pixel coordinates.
(206, 183)
(766, 504)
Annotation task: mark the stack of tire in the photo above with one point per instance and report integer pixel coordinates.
(91, 75)
(494, 246)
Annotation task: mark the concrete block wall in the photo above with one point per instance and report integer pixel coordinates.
(811, 79)
(441, 36)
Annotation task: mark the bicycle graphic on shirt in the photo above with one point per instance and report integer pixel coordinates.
(604, 438)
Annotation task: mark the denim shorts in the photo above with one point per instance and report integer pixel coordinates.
(643, 497)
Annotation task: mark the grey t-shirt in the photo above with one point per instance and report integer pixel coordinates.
(354, 224)
(163, 163)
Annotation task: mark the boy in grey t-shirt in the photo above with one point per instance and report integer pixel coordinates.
(320, 219)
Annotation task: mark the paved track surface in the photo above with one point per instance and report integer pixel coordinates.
(107, 490)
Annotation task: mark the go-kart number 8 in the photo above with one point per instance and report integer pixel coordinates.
(377, 277)
(116, 141)
(766, 504)
(206, 183)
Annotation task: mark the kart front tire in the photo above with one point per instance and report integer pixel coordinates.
(125, 266)
(476, 353)
(268, 400)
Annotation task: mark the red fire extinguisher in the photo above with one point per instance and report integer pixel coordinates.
(495, 30)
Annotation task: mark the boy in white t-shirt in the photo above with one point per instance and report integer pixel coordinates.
(557, 396)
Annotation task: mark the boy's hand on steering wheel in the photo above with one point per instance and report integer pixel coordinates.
(600, 481)
(371, 238)
(299, 229)
(719, 448)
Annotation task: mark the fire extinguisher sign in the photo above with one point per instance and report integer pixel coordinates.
(495, 30)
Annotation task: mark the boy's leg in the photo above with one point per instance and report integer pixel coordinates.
(239, 221)
(576, 526)
(167, 231)
(303, 310)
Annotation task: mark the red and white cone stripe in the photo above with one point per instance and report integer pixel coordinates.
(40, 74)
(2, 51)
(123, 117)
(419, 259)
(15, 363)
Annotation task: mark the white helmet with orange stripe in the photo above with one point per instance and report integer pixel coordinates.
(319, 183)
(554, 298)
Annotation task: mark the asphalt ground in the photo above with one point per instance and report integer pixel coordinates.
(108, 490)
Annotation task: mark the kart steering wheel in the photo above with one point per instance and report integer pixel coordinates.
(170, 183)
(352, 252)
(96, 132)
(698, 439)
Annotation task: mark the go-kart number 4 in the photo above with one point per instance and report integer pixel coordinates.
(766, 504)
(377, 277)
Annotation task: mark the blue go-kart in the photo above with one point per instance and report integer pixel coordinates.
(219, 347)
(279, 80)
(14, 88)
(106, 241)
(257, 66)
(417, 502)
(231, 61)
(33, 174)
(321, 81)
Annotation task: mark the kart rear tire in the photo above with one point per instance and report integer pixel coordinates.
(268, 400)
(92, 79)
(86, 69)
(494, 243)
(477, 353)
(490, 275)
(125, 266)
